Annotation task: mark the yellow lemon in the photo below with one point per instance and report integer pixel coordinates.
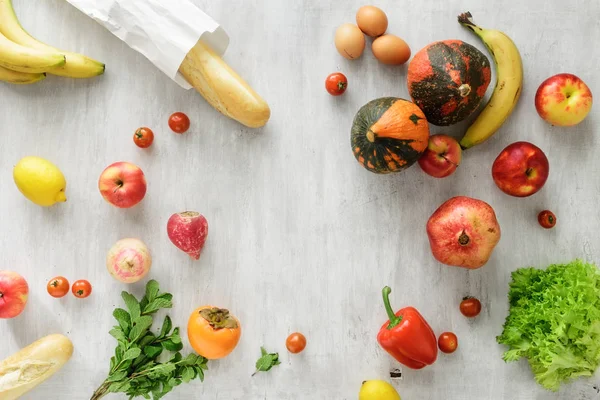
(377, 390)
(40, 181)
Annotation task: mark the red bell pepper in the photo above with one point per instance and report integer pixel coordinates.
(406, 336)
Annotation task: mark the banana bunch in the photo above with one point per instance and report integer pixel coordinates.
(509, 73)
(24, 59)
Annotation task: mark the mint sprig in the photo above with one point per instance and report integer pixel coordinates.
(135, 369)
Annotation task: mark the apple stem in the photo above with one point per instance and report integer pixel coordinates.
(1, 295)
(528, 172)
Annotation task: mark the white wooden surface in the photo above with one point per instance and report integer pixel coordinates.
(301, 237)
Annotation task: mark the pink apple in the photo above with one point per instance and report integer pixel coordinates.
(122, 184)
(521, 169)
(128, 260)
(463, 232)
(563, 100)
(13, 294)
(442, 156)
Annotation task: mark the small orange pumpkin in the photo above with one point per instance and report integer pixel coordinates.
(389, 135)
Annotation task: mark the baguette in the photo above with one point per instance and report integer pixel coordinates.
(32, 365)
(223, 88)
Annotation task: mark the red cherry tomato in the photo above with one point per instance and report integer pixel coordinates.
(81, 289)
(448, 342)
(470, 307)
(295, 343)
(336, 84)
(143, 137)
(179, 122)
(547, 219)
(58, 286)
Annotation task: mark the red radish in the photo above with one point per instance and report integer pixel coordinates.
(187, 231)
(128, 260)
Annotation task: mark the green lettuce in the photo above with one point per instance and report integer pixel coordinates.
(554, 321)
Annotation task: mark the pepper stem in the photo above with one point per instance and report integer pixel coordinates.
(394, 320)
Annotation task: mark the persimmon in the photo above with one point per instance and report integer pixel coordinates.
(213, 332)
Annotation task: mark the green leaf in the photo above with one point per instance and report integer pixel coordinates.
(166, 327)
(156, 305)
(161, 370)
(175, 338)
(132, 305)
(147, 339)
(123, 319)
(166, 296)
(188, 374)
(119, 351)
(152, 289)
(117, 376)
(118, 387)
(132, 354)
(174, 382)
(140, 327)
(153, 351)
(171, 346)
(200, 372)
(266, 361)
(191, 359)
(118, 334)
(176, 358)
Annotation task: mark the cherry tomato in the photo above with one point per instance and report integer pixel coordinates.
(143, 137)
(295, 343)
(179, 122)
(81, 288)
(547, 219)
(470, 307)
(58, 286)
(448, 342)
(336, 84)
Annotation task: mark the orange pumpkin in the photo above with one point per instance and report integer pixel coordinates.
(389, 135)
(213, 332)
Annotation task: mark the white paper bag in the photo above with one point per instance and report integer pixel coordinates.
(164, 31)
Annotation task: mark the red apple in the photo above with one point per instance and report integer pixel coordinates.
(122, 184)
(563, 100)
(442, 156)
(13, 294)
(463, 232)
(521, 169)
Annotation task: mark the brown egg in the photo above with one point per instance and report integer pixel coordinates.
(349, 41)
(390, 49)
(372, 20)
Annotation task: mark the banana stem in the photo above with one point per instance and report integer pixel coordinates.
(465, 20)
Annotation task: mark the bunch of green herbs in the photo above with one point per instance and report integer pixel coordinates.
(135, 368)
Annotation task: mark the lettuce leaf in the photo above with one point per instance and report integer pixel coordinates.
(554, 321)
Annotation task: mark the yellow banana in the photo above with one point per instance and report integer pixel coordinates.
(509, 74)
(24, 59)
(76, 66)
(19, 78)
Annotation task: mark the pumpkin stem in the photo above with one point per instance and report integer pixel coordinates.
(370, 136)
(394, 320)
(464, 90)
